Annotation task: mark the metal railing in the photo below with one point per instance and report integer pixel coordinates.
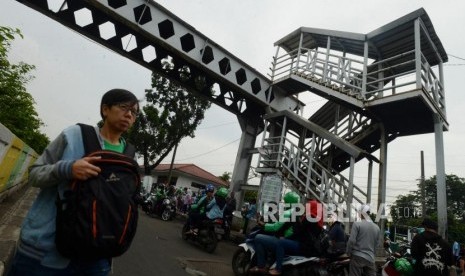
(306, 173)
(345, 74)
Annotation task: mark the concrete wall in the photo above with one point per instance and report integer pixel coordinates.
(15, 158)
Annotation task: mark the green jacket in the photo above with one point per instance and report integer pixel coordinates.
(281, 228)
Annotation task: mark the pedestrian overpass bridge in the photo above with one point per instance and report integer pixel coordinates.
(378, 86)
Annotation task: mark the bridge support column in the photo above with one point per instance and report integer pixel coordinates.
(244, 158)
(440, 177)
(382, 188)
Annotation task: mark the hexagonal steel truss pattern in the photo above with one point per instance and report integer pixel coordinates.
(149, 34)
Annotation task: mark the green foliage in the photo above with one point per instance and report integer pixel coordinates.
(249, 195)
(226, 176)
(405, 210)
(17, 111)
(171, 113)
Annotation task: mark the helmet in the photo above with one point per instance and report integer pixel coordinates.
(210, 188)
(291, 197)
(222, 192)
(403, 266)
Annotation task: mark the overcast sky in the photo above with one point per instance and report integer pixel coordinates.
(73, 72)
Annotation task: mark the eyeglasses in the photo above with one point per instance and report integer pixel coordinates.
(127, 107)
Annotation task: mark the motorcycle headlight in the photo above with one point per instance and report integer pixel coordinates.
(166, 201)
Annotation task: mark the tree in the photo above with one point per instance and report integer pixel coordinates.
(226, 176)
(455, 190)
(249, 195)
(170, 114)
(17, 111)
(405, 208)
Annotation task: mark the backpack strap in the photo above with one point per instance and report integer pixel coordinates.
(129, 150)
(92, 143)
(89, 138)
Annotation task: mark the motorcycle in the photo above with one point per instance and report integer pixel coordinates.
(206, 235)
(222, 228)
(163, 207)
(244, 258)
(398, 263)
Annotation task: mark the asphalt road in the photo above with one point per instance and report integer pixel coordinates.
(158, 249)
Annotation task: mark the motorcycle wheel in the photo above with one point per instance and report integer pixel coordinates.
(241, 262)
(211, 243)
(173, 215)
(185, 228)
(166, 215)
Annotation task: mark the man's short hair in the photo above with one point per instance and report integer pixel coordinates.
(117, 96)
(430, 224)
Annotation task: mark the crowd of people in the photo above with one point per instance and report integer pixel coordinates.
(185, 199)
(298, 236)
(430, 253)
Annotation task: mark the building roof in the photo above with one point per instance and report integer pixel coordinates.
(192, 170)
(389, 40)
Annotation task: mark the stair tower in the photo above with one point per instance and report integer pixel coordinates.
(379, 86)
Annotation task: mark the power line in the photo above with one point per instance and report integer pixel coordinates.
(218, 125)
(456, 57)
(198, 155)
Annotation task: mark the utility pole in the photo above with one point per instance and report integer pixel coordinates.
(422, 186)
(172, 162)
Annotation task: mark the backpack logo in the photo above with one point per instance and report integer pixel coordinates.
(112, 178)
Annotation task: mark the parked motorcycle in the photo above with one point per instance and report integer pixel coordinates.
(244, 258)
(164, 207)
(206, 235)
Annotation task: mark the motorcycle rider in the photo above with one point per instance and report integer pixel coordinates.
(337, 237)
(295, 237)
(213, 210)
(204, 200)
(159, 196)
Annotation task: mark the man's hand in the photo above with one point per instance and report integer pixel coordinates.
(83, 168)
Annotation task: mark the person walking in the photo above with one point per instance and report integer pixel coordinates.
(362, 243)
(61, 162)
(249, 213)
(431, 252)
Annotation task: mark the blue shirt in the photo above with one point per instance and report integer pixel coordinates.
(251, 211)
(213, 210)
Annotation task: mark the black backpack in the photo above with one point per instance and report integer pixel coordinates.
(97, 218)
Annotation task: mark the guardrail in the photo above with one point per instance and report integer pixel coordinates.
(15, 159)
(345, 73)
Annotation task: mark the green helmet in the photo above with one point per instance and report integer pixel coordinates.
(291, 197)
(403, 266)
(222, 192)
